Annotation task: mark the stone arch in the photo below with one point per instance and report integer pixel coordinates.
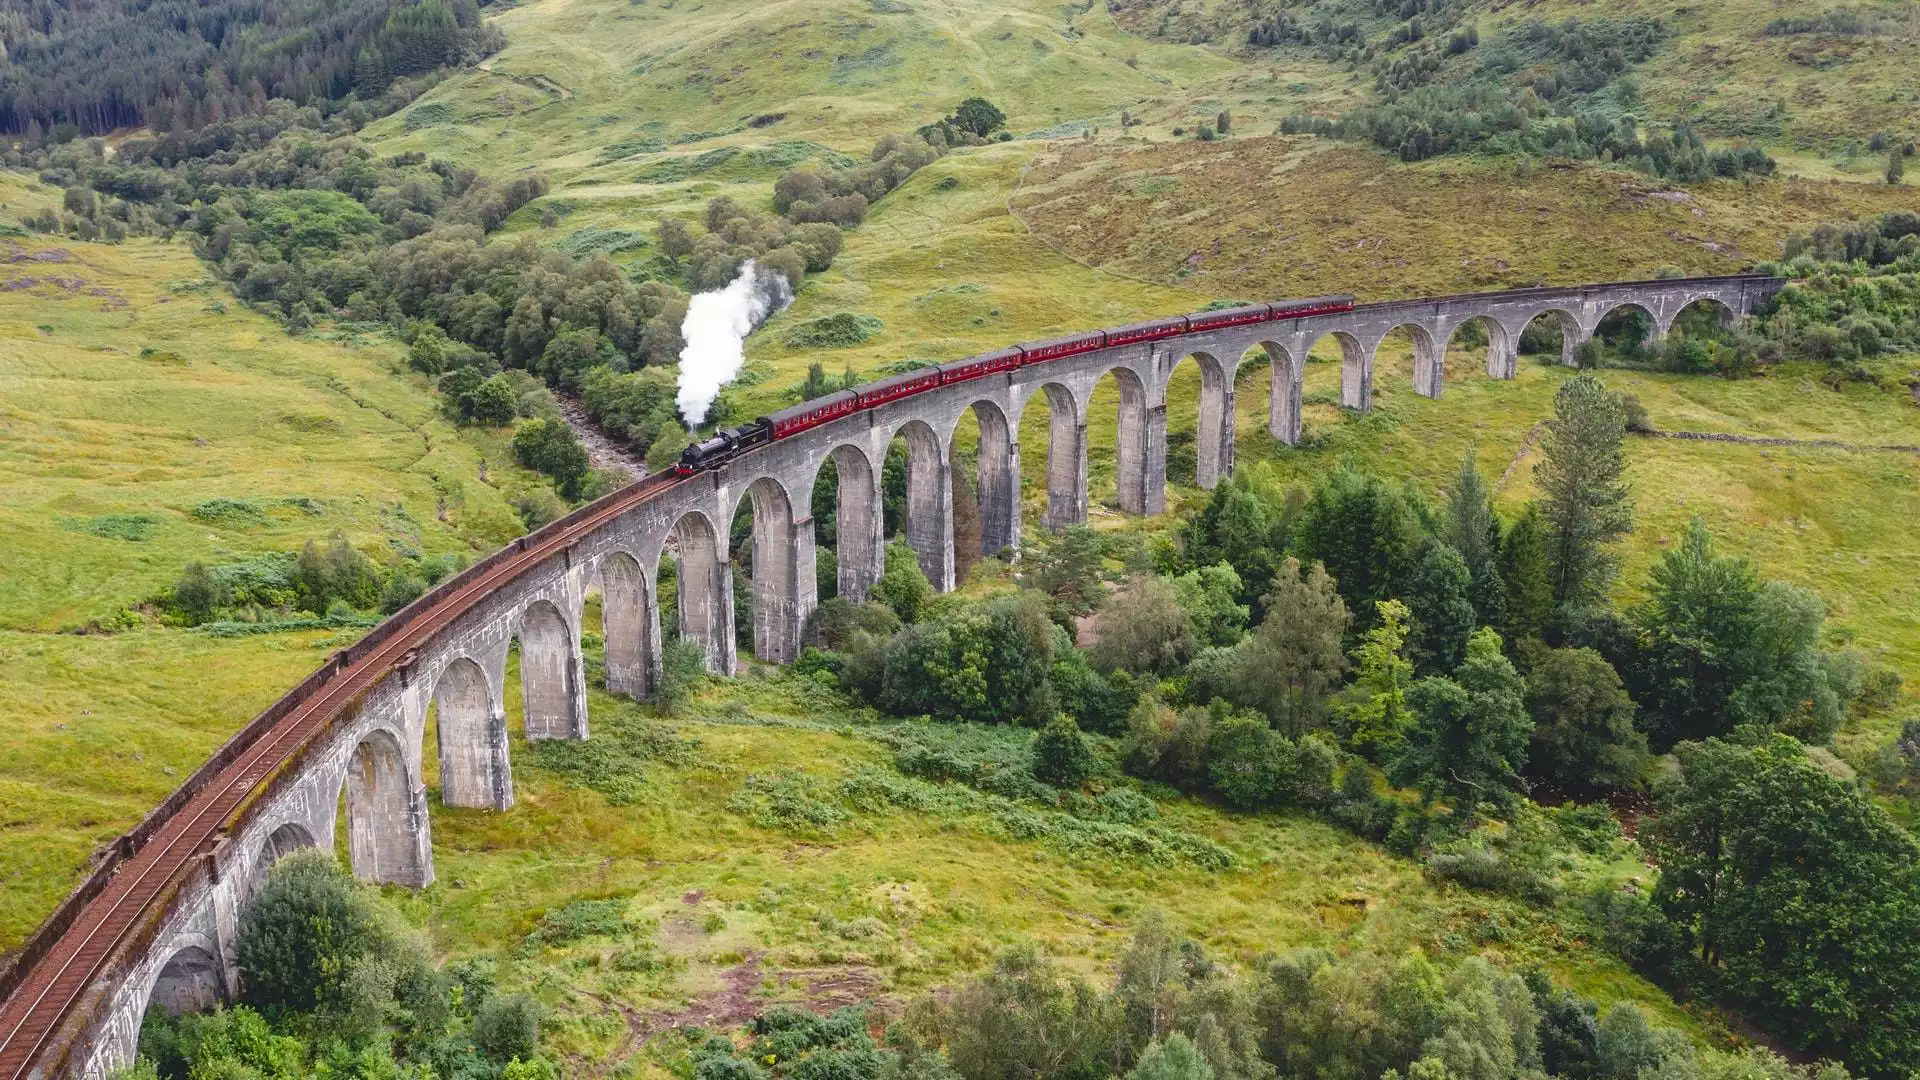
(704, 590)
(776, 571)
(552, 689)
(1572, 332)
(192, 980)
(1607, 313)
(1724, 312)
(280, 843)
(999, 479)
(929, 525)
(626, 622)
(1502, 344)
(1213, 435)
(386, 814)
(1289, 376)
(470, 726)
(859, 531)
(1356, 371)
(1429, 359)
(1066, 458)
(1139, 451)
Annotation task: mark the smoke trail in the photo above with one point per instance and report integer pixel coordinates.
(716, 330)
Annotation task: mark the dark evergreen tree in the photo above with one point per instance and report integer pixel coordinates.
(177, 66)
(1436, 594)
(1474, 531)
(1526, 577)
(1468, 741)
(1584, 739)
(1362, 531)
(1584, 497)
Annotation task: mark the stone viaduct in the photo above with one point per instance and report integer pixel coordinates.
(155, 924)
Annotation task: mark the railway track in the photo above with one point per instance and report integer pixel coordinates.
(52, 983)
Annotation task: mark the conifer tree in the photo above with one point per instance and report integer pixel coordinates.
(1585, 501)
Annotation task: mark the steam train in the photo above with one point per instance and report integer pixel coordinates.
(732, 442)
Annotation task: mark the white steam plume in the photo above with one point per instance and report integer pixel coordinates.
(716, 330)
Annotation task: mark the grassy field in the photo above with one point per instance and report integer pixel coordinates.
(1729, 68)
(739, 860)
(605, 88)
(137, 390)
(1297, 215)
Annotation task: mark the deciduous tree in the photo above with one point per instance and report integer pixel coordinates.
(1583, 734)
(1143, 627)
(1291, 664)
(1801, 892)
(1468, 741)
(1375, 713)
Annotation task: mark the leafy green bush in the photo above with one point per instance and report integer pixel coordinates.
(236, 513)
(987, 662)
(551, 447)
(506, 1027)
(309, 925)
(1061, 756)
(581, 919)
(837, 331)
(903, 586)
(1251, 765)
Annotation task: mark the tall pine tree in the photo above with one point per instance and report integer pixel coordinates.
(1584, 498)
(1474, 531)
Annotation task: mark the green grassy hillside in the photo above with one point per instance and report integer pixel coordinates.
(764, 849)
(150, 420)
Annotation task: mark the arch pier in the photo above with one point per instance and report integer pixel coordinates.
(155, 922)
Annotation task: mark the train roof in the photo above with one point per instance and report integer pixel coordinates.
(1314, 301)
(793, 412)
(977, 358)
(1151, 324)
(1242, 309)
(1064, 339)
(896, 380)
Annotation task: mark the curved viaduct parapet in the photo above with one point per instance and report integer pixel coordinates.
(155, 920)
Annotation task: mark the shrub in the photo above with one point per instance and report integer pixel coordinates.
(309, 924)
(1251, 765)
(1143, 627)
(198, 594)
(988, 662)
(1061, 756)
(551, 447)
(339, 574)
(507, 1027)
(837, 331)
(902, 585)
(1168, 746)
(493, 403)
(683, 663)
(538, 507)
